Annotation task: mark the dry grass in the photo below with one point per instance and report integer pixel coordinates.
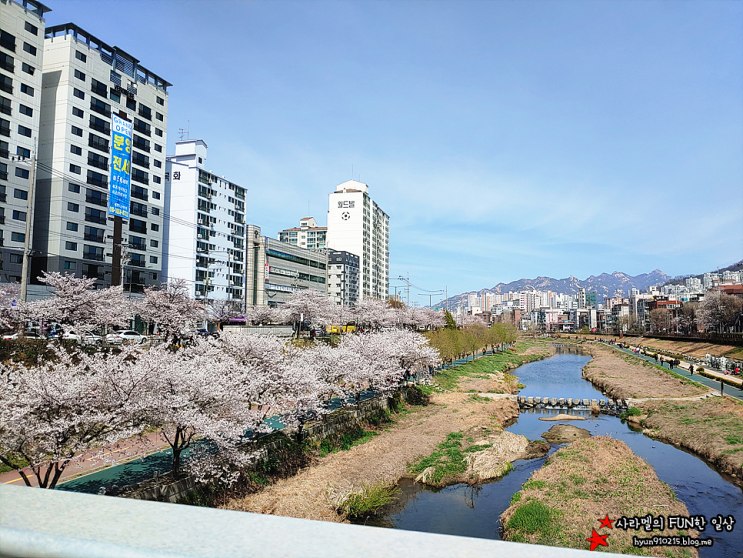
(624, 376)
(563, 501)
(711, 428)
(694, 348)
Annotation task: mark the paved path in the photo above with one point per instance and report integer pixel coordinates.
(683, 370)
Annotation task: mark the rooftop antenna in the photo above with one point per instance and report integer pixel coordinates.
(181, 132)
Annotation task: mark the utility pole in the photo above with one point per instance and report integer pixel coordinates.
(117, 270)
(27, 242)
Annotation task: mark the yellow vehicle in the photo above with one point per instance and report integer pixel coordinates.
(340, 329)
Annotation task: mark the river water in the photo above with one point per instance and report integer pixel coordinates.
(474, 511)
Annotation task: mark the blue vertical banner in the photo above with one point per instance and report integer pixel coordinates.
(121, 161)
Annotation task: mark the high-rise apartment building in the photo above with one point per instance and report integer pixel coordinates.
(356, 224)
(343, 277)
(205, 233)
(86, 84)
(21, 59)
(307, 235)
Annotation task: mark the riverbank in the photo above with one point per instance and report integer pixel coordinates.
(709, 427)
(564, 501)
(623, 376)
(313, 493)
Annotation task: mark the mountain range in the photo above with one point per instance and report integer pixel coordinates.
(604, 285)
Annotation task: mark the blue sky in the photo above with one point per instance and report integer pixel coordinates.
(504, 139)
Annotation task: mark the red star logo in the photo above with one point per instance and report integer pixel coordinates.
(597, 540)
(606, 522)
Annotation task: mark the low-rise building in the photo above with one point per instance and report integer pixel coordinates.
(275, 269)
(307, 235)
(343, 277)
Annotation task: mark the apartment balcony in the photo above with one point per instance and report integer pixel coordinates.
(95, 219)
(94, 238)
(3, 176)
(93, 256)
(137, 263)
(138, 246)
(55, 523)
(138, 212)
(97, 200)
(5, 131)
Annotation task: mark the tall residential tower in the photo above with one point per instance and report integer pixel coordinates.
(356, 224)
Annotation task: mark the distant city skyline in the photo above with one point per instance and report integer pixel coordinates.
(504, 140)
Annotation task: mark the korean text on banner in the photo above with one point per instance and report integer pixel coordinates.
(121, 156)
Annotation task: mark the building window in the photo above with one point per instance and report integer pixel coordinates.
(157, 163)
(31, 28)
(20, 194)
(159, 148)
(19, 215)
(27, 68)
(21, 173)
(155, 211)
(77, 131)
(16, 258)
(114, 96)
(145, 112)
(76, 150)
(158, 132)
(159, 116)
(75, 169)
(154, 243)
(80, 56)
(77, 112)
(73, 188)
(71, 226)
(72, 266)
(161, 101)
(27, 89)
(6, 84)
(24, 131)
(23, 109)
(5, 104)
(154, 276)
(18, 237)
(77, 93)
(155, 227)
(79, 75)
(131, 104)
(73, 207)
(153, 259)
(23, 152)
(155, 195)
(156, 179)
(29, 48)
(70, 246)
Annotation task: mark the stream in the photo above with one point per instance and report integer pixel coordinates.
(474, 511)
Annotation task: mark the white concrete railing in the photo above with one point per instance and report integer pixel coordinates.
(37, 523)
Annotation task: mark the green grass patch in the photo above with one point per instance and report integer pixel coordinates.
(534, 517)
(633, 412)
(448, 459)
(368, 500)
(734, 439)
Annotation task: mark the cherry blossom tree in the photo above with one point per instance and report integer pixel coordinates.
(718, 310)
(51, 413)
(375, 314)
(75, 302)
(222, 311)
(171, 308)
(310, 305)
(260, 315)
(9, 293)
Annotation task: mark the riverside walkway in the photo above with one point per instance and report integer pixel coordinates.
(713, 379)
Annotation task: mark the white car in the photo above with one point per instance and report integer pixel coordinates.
(27, 335)
(125, 336)
(83, 338)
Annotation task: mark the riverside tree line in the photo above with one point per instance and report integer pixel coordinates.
(71, 402)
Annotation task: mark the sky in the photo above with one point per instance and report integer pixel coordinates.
(505, 139)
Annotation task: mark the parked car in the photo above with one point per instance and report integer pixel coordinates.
(125, 336)
(206, 333)
(83, 338)
(27, 335)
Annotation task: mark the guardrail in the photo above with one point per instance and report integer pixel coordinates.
(36, 523)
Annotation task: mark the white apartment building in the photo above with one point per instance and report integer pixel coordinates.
(356, 224)
(308, 235)
(205, 233)
(86, 82)
(343, 277)
(21, 60)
